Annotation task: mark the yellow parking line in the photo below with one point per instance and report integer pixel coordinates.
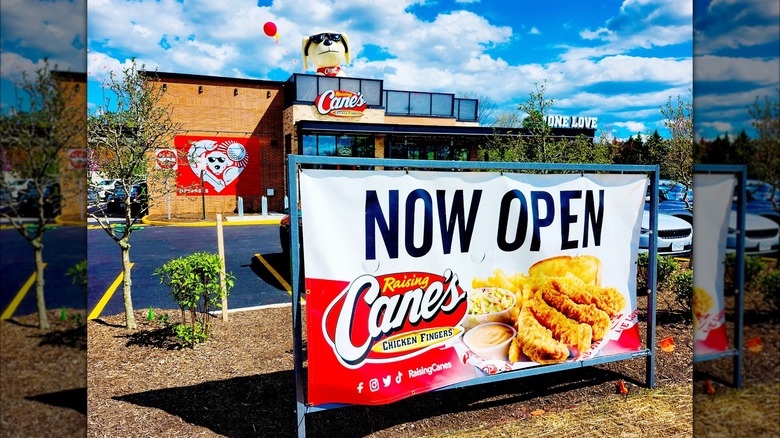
(274, 273)
(9, 311)
(107, 296)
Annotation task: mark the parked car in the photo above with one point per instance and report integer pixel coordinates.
(284, 234)
(760, 200)
(92, 197)
(104, 188)
(669, 190)
(675, 235)
(762, 235)
(19, 186)
(28, 201)
(139, 201)
(5, 196)
(671, 201)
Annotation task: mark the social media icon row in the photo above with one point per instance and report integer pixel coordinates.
(373, 384)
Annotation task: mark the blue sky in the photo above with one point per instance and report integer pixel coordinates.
(736, 59)
(616, 60)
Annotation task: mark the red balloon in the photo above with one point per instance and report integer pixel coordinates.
(269, 29)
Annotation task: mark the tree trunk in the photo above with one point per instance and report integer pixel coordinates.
(126, 287)
(43, 319)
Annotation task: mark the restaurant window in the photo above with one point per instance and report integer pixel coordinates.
(432, 149)
(342, 145)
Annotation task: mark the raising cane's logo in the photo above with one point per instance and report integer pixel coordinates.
(394, 316)
(340, 103)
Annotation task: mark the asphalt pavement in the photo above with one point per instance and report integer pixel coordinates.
(253, 254)
(63, 248)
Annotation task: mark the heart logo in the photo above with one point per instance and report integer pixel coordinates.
(221, 163)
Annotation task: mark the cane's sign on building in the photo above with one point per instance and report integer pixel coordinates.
(340, 103)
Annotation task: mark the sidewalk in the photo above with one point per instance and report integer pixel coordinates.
(253, 219)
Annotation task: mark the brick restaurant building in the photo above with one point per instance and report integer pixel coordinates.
(240, 131)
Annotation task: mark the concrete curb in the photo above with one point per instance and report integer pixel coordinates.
(270, 220)
(60, 221)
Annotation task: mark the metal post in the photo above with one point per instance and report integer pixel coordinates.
(203, 194)
(168, 192)
(740, 266)
(652, 272)
(81, 199)
(296, 281)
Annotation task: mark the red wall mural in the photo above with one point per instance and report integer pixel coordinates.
(230, 166)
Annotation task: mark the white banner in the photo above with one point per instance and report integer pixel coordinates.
(422, 279)
(711, 211)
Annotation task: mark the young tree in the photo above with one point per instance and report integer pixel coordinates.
(678, 118)
(536, 108)
(46, 120)
(486, 112)
(534, 141)
(123, 138)
(766, 120)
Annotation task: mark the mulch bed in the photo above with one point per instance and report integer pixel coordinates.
(43, 376)
(241, 383)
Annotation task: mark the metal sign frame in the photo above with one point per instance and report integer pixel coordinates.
(740, 172)
(296, 162)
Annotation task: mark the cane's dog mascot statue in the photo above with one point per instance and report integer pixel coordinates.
(327, 51)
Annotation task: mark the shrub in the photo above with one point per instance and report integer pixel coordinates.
(682, 285)
(754, 265)
(193, 282)
(769, 285)
(78, 274)
(666, 266)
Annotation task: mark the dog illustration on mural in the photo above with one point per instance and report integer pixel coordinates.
(221, 163)
(327, 51)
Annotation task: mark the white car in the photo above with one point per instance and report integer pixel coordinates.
(104, 188)
(675, 235)
(762, 235)
(17, 187)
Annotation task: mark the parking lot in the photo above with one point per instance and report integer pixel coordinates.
(252, 253)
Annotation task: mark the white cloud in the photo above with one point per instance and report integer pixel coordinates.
(631, 126)
(738, 99)
(718, 126)
(723, 68)
(617, 102)
(451, 52)
(13, 66)
(645, 24)
(56, 30)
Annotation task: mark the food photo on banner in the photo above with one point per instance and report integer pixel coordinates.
(419, 280)
(713, 192)
(228, 166)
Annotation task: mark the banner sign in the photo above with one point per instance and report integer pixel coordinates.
(710, 220)
(418, 280)
(228, 166)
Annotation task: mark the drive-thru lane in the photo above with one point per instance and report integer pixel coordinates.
(252, 253)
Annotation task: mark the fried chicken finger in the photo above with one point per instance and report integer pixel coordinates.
(574, 335)
(607, 299)
(597, 319)
(537, 342)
